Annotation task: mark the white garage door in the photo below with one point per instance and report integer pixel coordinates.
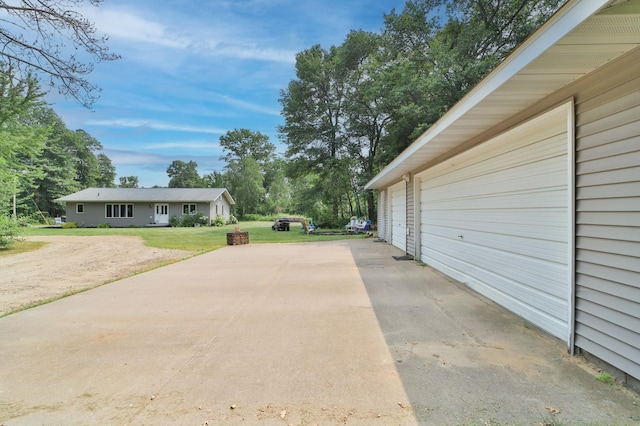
(497, 218)
(399, 216)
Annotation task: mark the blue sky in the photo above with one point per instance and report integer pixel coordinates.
(193, 70)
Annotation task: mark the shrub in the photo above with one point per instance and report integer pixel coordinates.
(189, 220)
(232, 220)
(220, 221)
(10, 231)
(35, 218)
(254, 217)
(68, 225)
(104, 225)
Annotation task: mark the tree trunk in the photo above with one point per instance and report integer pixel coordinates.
(371, 206)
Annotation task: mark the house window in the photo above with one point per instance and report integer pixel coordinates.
(118, 210)
(189, 209)
(80, 208)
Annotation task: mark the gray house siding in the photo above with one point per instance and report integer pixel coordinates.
(122, 207)
(608, 217)
(143, 213)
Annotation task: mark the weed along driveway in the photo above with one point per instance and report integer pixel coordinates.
(315, 333)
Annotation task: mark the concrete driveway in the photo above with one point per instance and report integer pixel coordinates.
(316, 333)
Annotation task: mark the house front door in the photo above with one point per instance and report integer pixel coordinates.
(162, 214)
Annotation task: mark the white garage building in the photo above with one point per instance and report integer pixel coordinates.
(528, 189)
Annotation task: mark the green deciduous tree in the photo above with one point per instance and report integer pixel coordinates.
(10, 231)
(106, 172)
(314, 112)
(278, 190)
(40, 159)
(128, 182)
(184, 175)
(246, 179)
(353, 108)
(68, 161)
(440, 49)
(252, 173)
(85, 152)
(239, 144)
(21, 136)
(58, 163)
(215, 180)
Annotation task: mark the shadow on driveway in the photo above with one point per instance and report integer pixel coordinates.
(465, 360)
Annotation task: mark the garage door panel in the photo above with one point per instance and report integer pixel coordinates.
(515, 202)
(548, 312)
(551, 251)
(527, 225)
(524, 180)
(523, 270)
(497, 218)
(525, 162)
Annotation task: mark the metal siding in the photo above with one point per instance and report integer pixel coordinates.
(381, 215)
(497, 218)
(608, 228)
(417, 230)
(410, 225)
(399, 216)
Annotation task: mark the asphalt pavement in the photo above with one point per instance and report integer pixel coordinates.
(325, 333)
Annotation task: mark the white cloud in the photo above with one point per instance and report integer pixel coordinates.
(216, 39)
(126, 24)
(155, 125)
(248, 106)
(122, 157)
(249, 51)
(199, 145)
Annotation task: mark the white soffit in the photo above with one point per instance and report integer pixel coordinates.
(573, 43)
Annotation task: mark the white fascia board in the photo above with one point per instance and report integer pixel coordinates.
(228, 197)
(569, 17)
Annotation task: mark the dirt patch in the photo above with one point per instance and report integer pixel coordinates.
(67, 264)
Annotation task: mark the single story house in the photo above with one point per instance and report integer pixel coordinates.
(123, 207)
(528, 189)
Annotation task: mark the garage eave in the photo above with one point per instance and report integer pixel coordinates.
(581, 37)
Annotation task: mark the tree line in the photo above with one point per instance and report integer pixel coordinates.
(40, 158)
(353, 108)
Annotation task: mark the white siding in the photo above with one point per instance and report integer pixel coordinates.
(382, 209)
(410, 224)
(608, 220)
(399, 215)
(497, 217)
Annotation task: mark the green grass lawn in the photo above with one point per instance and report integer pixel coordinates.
(196, 240)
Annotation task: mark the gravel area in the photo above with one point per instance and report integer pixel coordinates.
(67, 264)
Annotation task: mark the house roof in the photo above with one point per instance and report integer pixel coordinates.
(581, 37)
(148, 195)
